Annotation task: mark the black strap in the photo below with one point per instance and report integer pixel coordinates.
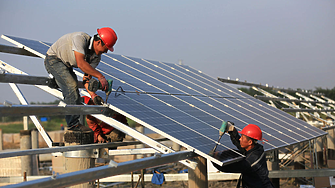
(239, 182)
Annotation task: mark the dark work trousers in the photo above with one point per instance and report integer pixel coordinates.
(66, 79)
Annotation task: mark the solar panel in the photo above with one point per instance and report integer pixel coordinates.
(187, 106)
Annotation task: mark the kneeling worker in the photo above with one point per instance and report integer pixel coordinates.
(102, 131)
(253, 168)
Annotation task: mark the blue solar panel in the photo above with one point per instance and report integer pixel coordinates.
(188, 106)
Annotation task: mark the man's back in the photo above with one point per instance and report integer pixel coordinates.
(65, 46)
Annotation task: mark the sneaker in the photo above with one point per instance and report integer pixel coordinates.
(80, 127)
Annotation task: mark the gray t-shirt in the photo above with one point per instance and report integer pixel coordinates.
(81, 42)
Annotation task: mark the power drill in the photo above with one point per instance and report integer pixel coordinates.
(94, 85)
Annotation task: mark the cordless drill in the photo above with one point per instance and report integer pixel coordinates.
(94, 85)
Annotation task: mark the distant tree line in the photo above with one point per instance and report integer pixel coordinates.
(4, 119)
(330, 93)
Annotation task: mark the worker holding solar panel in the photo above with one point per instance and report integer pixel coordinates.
(253, 168)
(78, 50)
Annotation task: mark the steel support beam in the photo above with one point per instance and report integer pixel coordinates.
(69, 148)
(37, 124)
(31, 80)
(289, 100)
(132, 151)
(302, 173)
(263, 86)
(212, 176)
(92, 174)
(307, 110)
(52, 110)
(16, 50)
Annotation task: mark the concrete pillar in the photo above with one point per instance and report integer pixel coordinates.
(25, 123)
(273, 164)
(25, 143)
(78, 160)
(140, 129)
(34, 145)
(198, 178)
(331, 144)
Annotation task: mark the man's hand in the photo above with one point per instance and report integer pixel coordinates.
(101, 139)
(230, 126)
(104, 83)
(97, 100)
(215, 155)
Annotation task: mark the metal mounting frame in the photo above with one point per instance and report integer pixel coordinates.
(24, 110)
(92, 174)
(124, 128)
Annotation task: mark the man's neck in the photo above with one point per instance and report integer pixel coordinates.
(250, 147)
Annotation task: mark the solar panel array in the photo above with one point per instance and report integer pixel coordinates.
(187, 106)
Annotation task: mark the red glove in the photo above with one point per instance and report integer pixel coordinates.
(104, 83)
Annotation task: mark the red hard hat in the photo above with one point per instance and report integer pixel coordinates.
(108, 36)
(252, 131)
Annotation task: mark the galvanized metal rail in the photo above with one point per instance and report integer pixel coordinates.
(31, 80)
(70, 148)
(92, 174)
(289, 100)
(307, 110)
(16, 50)
(264, 86)
(26, 110)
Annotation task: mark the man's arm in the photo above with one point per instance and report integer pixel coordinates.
(84, 66)
(88, 69)
(237, 167)
(96, 98)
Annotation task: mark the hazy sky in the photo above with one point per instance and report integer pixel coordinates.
(283, 43)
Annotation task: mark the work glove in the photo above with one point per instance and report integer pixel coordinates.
(97, 99)
(104, 83)
(101, 139)
(230, 126)
(115, 136)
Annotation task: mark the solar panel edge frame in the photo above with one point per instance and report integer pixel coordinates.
(23, 46)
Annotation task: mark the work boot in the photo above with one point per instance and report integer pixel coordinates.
(79, 134)
(80, 127)
(115, 136)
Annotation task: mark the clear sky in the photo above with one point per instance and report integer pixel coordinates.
(283, 43)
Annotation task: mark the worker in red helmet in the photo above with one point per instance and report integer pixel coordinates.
(78, 50)
(102, 131)
(253, 168)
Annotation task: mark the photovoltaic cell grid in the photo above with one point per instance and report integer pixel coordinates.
(188, 106)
